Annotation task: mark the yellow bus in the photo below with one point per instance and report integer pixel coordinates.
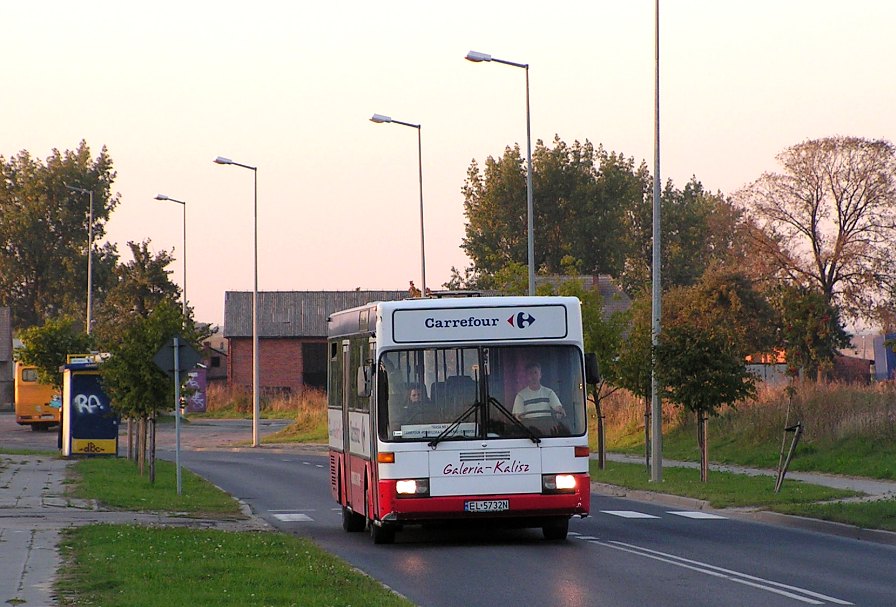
(37, 405)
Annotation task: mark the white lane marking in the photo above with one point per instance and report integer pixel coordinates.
(628, 514)
(707, 516)
(720, 572)
(293, 518)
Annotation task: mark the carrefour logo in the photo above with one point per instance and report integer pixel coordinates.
(454, 323)
(521, 320)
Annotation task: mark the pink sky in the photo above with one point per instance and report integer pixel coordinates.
(290, 88)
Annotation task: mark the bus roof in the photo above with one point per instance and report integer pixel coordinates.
(452, 320)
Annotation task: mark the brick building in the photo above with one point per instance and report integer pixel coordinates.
(6, 360)
(292, 335)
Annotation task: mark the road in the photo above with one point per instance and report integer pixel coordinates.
(627, 553)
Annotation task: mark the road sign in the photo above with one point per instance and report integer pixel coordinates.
(187, 357)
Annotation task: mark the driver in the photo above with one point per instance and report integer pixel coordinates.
(535, 400)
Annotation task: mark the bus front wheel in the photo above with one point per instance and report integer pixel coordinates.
(556, 529)
(382, 534)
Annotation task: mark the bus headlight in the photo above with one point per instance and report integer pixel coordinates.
(412, 487)
(558, 483)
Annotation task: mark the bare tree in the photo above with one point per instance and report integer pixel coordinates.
(828, 220)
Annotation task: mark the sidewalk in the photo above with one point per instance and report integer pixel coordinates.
(34, 511)
(875, 489)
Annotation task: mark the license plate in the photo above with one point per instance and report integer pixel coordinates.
(487, 506)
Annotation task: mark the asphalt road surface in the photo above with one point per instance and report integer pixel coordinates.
(626, 554)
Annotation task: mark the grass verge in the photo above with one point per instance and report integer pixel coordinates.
(131, 566)
(854, 456)
(880, 514)
(724, 489)
(138, 566)
(116, 483)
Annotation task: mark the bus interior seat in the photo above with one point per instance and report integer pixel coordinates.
(397, 391)
(438, 392)
(461, 392)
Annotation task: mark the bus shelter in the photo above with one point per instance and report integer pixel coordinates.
(89, 425)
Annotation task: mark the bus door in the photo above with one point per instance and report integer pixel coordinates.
(348, 483)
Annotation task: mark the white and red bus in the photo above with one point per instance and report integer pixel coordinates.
(459, 408)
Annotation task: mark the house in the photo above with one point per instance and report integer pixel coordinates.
(6, 361)
(214, 356)
(292, 335)
(613, 298)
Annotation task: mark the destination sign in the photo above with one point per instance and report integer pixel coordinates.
(479, 324)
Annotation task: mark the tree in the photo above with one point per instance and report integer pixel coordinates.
(708, 330)
(701, 371)
(603, 334)
(44, 229)
(139, 315)
(581, 199)
(724, 301)
(828, 220)
(634, 367)
(699, 229)
(811, 331)
(46, 347)
(139, 286)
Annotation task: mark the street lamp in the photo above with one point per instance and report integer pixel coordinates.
(380, 119)
(184, 205)
(256, 403)
(89, 254)
(477, 57)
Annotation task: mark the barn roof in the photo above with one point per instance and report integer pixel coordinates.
(292, 313)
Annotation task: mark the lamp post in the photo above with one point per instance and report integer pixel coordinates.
(184, 205)
(89, 255)
(380, 119)
(477, 57)
(256, 403)
(656, 404)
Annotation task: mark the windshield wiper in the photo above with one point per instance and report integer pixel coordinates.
(497, 404)
(453, 425)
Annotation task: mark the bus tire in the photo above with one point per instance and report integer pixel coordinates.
(556, 529)
(352, 521)
(382, 534)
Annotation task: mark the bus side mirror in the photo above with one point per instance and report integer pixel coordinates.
(592, 370)
(365, 373)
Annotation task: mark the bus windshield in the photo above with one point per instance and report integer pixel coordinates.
(485, 392)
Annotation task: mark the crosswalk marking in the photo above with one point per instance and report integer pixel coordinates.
(629, 514)
(696, 515)
(293, 517)
(708, 516)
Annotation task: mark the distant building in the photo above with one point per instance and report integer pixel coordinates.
(292, 335)
(214, 356)
(613, 298)
(7, 391)
(884, 357)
